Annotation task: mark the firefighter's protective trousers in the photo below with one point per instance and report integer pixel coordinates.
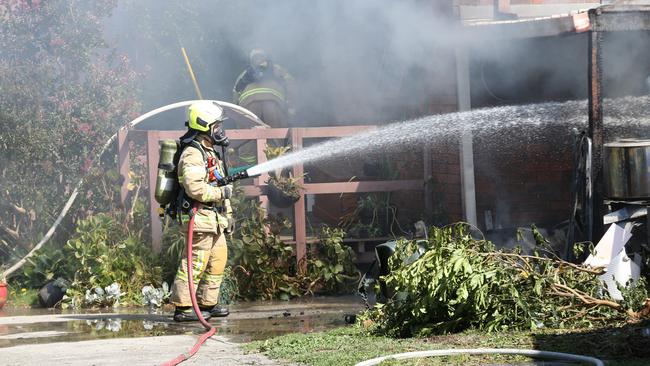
(209, 254)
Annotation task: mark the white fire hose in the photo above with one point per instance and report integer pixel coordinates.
(485, 351)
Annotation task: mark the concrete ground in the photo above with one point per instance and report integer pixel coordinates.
(134, 337)
(132, 351)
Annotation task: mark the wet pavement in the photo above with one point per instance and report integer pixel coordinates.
(135, 336)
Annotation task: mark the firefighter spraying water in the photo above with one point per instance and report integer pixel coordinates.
(193, 182)
(194, 188)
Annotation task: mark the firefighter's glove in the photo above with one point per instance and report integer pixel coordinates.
(231, 226)
(226, 191)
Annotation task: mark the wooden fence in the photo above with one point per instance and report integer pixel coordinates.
(259, 188)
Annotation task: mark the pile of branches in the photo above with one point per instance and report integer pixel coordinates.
(459, 282)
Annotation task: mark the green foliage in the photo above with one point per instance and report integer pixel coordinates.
(103, 252)
(229, 287)
(281, 179)
(48, 265)
(22, 297)
(460, 282)
(373, 216)
(332, 267)
(342, 346)
(63, 94)
(264, 266)
(173, 249)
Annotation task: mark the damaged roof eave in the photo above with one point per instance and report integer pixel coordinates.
(607, 18)
(528, 28)
(613, 18)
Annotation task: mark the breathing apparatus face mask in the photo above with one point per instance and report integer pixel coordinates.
(259, 63)
(218, 135)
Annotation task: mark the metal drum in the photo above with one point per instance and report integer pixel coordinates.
(627, 170)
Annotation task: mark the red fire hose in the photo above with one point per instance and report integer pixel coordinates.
(190, 279)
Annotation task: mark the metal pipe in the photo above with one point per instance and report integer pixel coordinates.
(589, 198)
(467, 177)
(595, 130)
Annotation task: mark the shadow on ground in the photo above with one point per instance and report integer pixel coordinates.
(626, 345)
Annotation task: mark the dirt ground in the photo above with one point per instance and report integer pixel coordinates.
(134, 337)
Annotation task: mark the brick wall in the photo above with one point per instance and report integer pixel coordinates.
(446, 183)
(527, 182)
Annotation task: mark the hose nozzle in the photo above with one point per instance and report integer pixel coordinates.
(235, 177)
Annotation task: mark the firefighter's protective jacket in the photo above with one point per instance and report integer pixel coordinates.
(214, 211)
(276, 85)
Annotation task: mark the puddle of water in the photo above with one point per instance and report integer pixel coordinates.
(246, 330)
(81, 330)
(247, 322)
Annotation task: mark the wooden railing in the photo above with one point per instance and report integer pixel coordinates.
(258, 188)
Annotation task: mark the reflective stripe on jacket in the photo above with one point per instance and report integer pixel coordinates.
(250, 92)
(262, 90)
(276, 85)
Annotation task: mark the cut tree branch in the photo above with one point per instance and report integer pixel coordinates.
(48, 235)
(597, 271)
(17, 209)
(14, 234)
(566, 291)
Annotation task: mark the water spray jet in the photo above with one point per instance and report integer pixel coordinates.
(488, 122)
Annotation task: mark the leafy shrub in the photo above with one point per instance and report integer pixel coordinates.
(229, 287)
(50, 263)
(173, 249)
(103, 252)
(265, 267)
(56, 72)
(460, 282)
(154, 297)
(282, 179)
(107, 296)
(330, 265)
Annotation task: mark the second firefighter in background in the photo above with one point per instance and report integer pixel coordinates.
(266, 89)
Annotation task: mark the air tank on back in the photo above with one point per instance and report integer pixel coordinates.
(166, 181)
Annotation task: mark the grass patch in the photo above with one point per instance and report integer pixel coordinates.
(341, 346)
(622, 346)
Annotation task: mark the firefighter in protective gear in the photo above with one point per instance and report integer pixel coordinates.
(265, 89)
(213, 218)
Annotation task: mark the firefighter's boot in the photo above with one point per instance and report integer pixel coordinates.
(219, 311)
(187, 314)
